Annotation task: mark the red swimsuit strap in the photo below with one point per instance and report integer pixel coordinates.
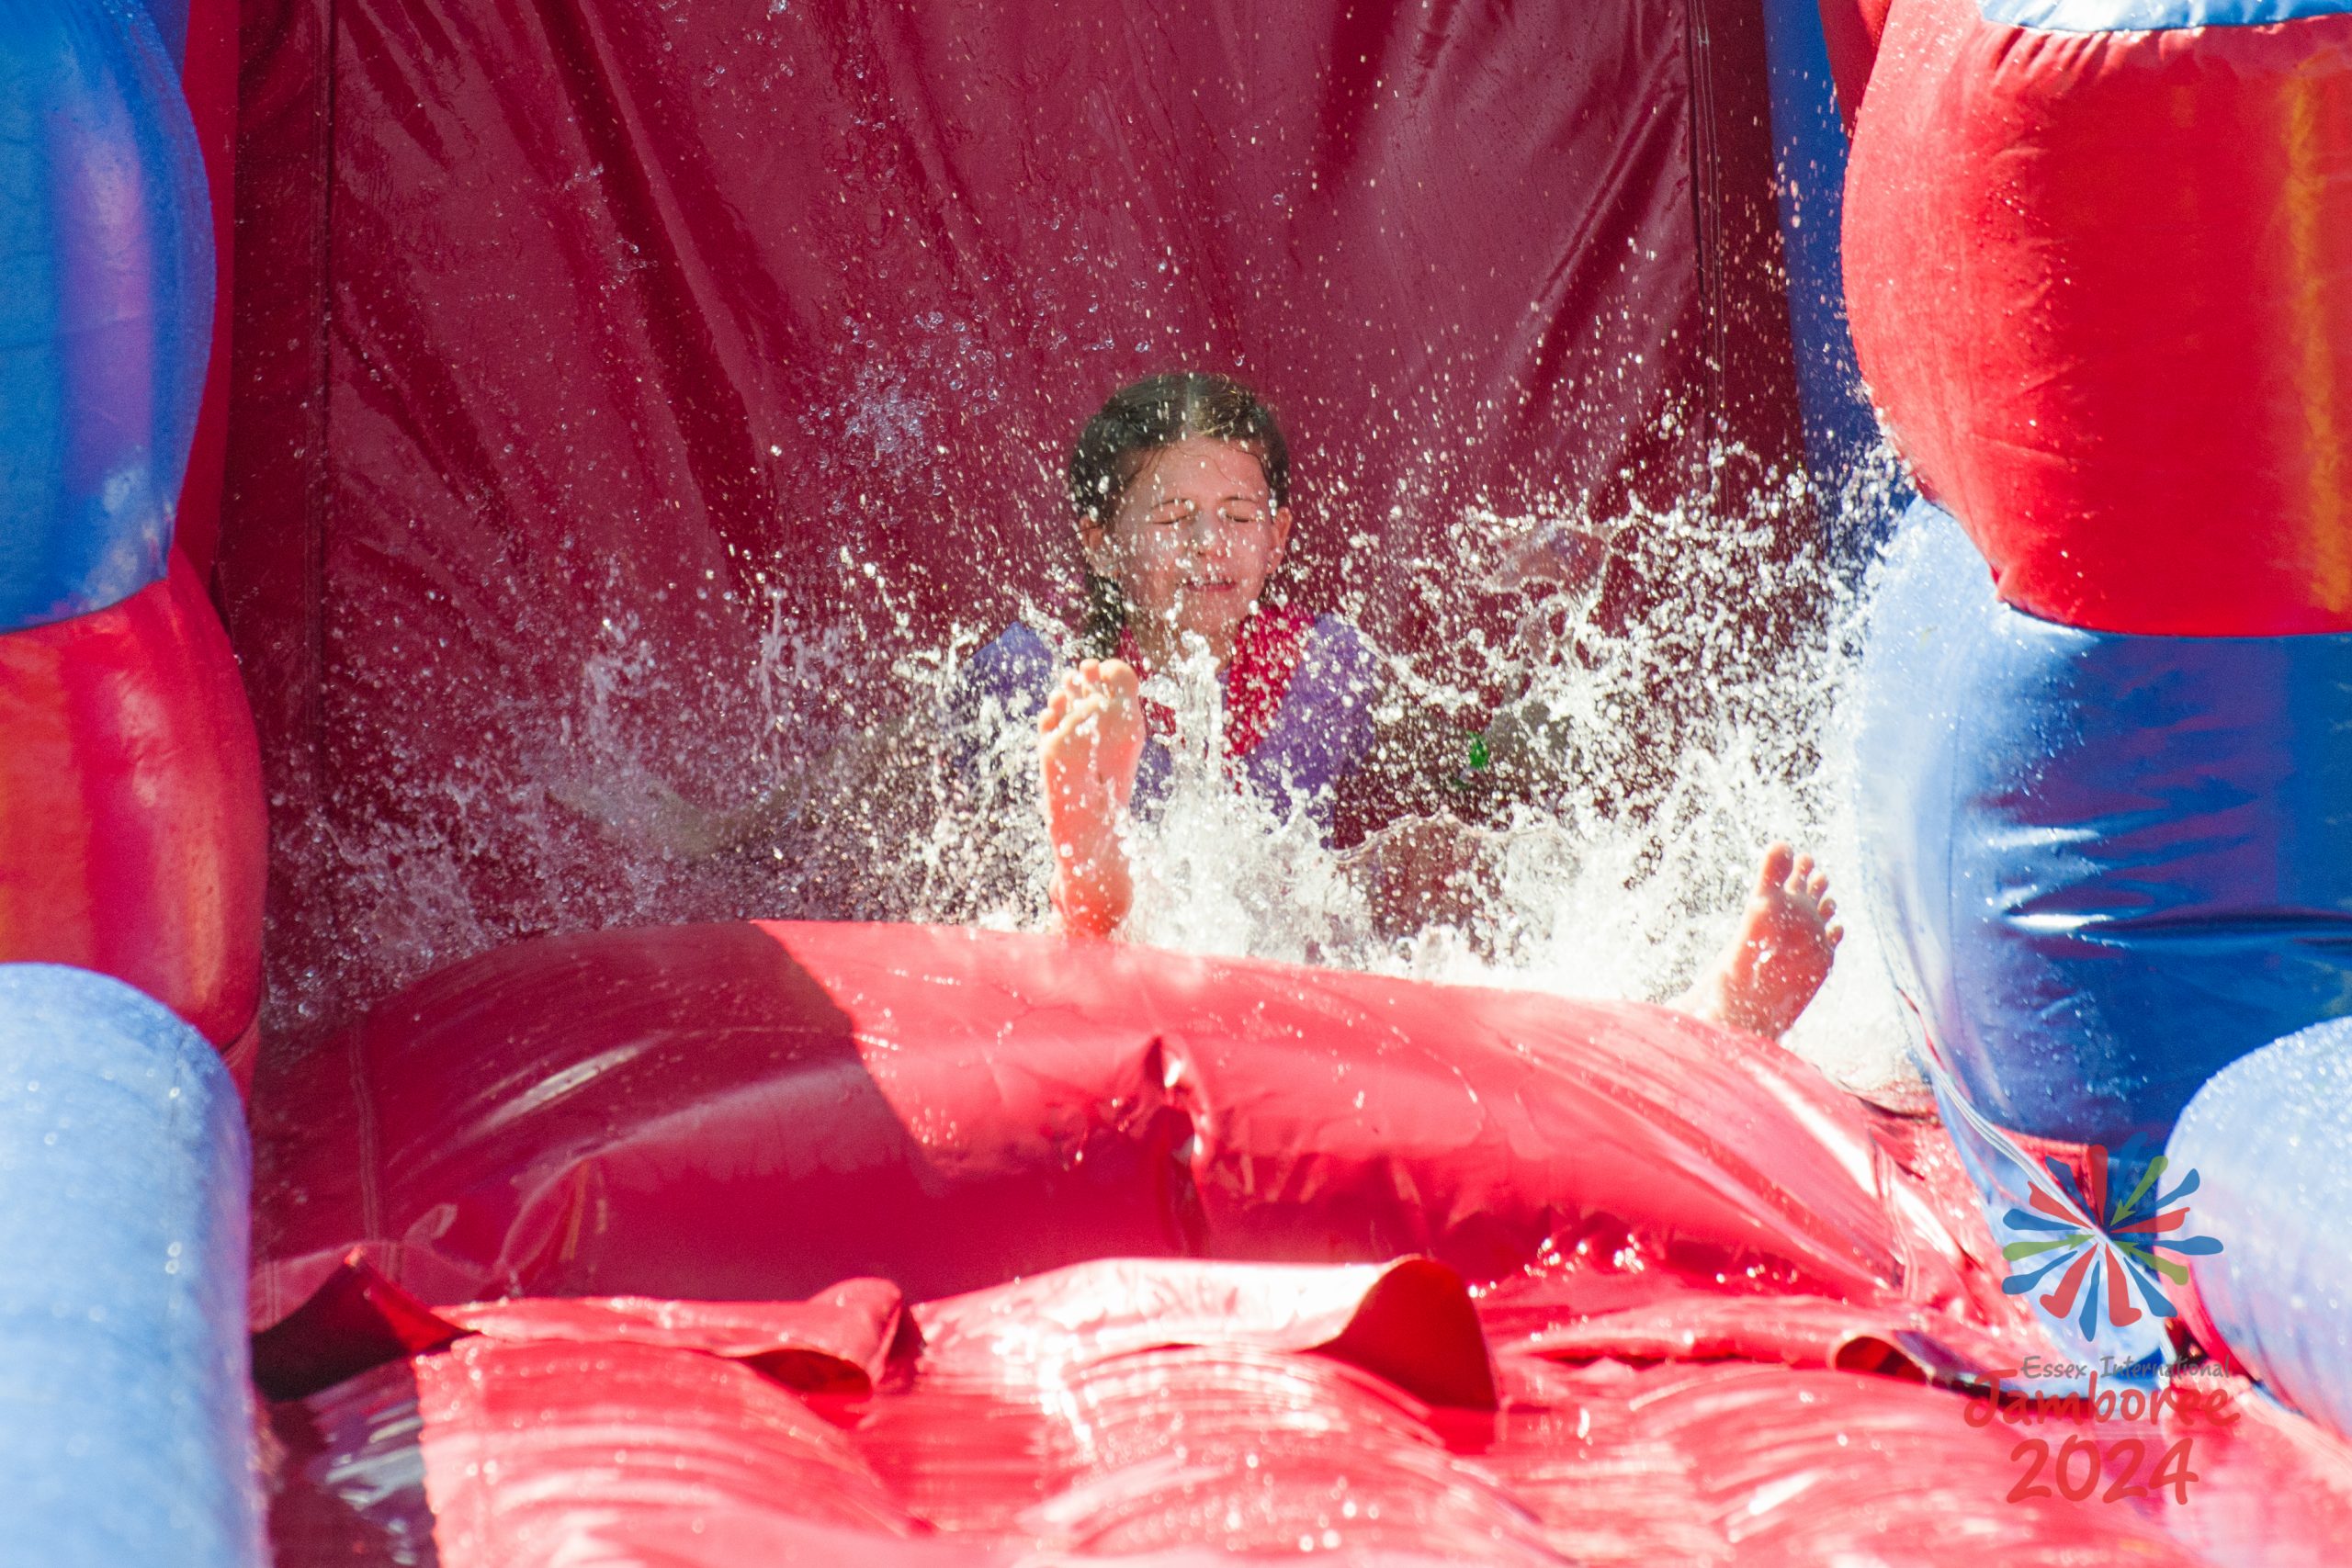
(1265, 656)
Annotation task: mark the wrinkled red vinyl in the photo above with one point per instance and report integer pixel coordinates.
(1677, 1299)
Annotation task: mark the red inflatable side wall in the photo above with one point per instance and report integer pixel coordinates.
(1851, 31)
(570, 331)
(131, 802)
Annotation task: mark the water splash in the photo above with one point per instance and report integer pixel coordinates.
(1662, 692)
(1651, 760)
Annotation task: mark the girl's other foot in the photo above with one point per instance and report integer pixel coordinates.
(1781, 952)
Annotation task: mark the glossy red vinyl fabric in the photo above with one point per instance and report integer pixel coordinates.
(567, 329)
(752, 1112)
(1202, 1455)
(1175, 1411)
(835, 1343)
(1409, 1321)
(2098, 285)
(1851, 31)
(130, 803)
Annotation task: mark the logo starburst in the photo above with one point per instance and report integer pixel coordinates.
(2099, 1248)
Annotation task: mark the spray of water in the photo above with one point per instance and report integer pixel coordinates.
(1653, 760)
(1647, 754)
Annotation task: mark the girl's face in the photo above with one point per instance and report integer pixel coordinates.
(1192, 541)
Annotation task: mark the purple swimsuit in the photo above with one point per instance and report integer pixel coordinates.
(1320, 732)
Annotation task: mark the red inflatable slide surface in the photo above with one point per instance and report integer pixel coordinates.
(1012, 1249)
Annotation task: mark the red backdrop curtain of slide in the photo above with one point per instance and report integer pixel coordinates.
(572, 335)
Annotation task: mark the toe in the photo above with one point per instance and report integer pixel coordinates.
(1817, 884)
(1775, 869)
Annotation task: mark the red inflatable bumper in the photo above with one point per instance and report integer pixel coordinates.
(754, 1111)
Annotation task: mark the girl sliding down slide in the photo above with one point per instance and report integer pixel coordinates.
(1181, 487)
(1182, 483)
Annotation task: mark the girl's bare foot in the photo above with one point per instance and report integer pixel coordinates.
(1092, 738)
(1781, 954)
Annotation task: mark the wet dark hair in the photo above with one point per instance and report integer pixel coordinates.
(1133, 423)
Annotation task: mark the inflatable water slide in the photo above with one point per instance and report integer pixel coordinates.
(395, 1175)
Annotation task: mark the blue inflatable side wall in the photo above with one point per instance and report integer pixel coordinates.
(170, 17)
(126, 1431)
(1841, 434)
(2270, 1139)
(105, 303)
(2107, 861)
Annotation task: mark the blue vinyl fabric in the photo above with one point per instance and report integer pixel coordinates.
(125, 1427)
(2107, 865)
(170, 17)
(2151, 15)
(106, 304)
(1841, 434)
(2270, 1138)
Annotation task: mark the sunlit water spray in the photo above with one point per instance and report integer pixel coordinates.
(1624, 871)
(1666, 752)
(1220, 869)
